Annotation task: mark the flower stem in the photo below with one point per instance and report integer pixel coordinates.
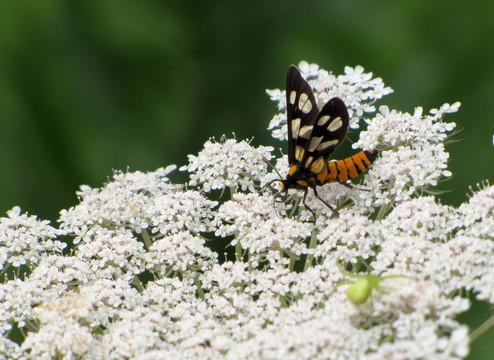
(482, 329)
(312, 245)
(238, 251)
(146, 238)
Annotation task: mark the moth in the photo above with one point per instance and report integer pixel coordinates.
(313, 135)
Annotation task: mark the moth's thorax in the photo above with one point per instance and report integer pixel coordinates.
(298, 178)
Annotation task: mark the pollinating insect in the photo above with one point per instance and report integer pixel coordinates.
(312, 137)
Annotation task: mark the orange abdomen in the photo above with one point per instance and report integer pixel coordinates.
(350, 167)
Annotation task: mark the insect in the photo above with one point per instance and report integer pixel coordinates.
(312, 137)
(360, 290)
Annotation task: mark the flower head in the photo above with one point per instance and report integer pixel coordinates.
(225, 267)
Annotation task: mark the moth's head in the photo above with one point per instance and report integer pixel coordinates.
(284, 184)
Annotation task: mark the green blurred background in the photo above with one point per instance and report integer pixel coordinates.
(91, 86)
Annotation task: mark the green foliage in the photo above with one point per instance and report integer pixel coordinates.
(87, 86)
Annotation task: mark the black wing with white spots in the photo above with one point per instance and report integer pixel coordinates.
(312, 135)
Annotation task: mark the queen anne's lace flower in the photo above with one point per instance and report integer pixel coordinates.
(160, 270)
(230, 165)
(24, 239)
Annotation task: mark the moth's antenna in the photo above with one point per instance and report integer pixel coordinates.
(272, 181)
(272, 166)
(276, 170)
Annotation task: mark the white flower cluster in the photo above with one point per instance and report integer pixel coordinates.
(259, 230)
(159, 270)
(24, 239)
(412, 153)
(124, 204)
(230, 164)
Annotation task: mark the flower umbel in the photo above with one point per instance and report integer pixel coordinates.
(223, 267)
